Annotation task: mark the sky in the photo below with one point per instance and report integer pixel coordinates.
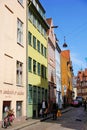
(71, 18)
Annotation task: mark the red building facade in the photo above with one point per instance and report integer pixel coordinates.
(51, 62)
(82, 83)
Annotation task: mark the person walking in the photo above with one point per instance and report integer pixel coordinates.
(44, 107)
(54, 110)
(85, 104)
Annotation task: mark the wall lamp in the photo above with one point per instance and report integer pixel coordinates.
(54, 26)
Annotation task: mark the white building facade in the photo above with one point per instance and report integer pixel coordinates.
(58, 77)
(13, 57)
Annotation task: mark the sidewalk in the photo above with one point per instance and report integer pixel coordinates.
(21, 124)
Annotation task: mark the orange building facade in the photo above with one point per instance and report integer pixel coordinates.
(66, 77)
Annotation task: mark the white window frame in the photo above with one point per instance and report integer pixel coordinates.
(19, 32)
(19, 73)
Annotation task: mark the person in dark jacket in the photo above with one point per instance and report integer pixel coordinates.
(44, 107)
(85, 104)
(54, 111)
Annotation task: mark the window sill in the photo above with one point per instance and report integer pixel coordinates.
(20, 3)
(20, 44)
(19, 85)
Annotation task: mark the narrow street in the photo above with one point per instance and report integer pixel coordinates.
(74, 119)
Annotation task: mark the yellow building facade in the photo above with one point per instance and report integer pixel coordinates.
(37, 58)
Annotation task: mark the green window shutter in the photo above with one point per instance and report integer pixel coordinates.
(30, 95)
(34, 66)
(29, 38)
(34, 94)
(38, 45)
(34, 42)
(38, 69)
(30, 64)
(45, 52)
(42, 49)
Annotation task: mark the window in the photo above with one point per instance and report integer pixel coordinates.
(46, 94)
(21, 2)
(38, 24)
(38, 69)
(39, 95)
(42, 49)
(34, 66)
(34, 94)
(30, 64)
(43, 71)
(44, 32)
(34, 42)
(34, 20)
(30, 15)
(18, 108)
(29, 38)
(43, 92)
(30, 97)
(19, 73)
(19, 32)
(41, 29)
(45, 51)
(38, 45)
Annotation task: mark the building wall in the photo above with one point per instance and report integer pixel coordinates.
(51, 62)
(10, 53)
(81, 83)
(66, 74)
(37, 56)
(58, 78)
(37, 83)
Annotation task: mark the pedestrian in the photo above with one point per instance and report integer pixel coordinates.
(54, 110)
(44, 106)
(84, 104)
(6, 109)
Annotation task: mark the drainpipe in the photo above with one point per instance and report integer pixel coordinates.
(28, 3)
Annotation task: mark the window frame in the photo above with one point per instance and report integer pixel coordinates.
(34, 42)
(29, 64)
(19, 73)
(19, 31)
(30, 94)
(38, 68)
(29, 38)
(34, 66)
(38, 46)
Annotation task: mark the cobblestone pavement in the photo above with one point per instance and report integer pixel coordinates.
(72, 119)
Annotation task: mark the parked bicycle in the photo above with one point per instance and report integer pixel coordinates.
(8, 119)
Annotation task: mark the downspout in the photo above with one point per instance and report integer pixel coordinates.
(28, 2)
